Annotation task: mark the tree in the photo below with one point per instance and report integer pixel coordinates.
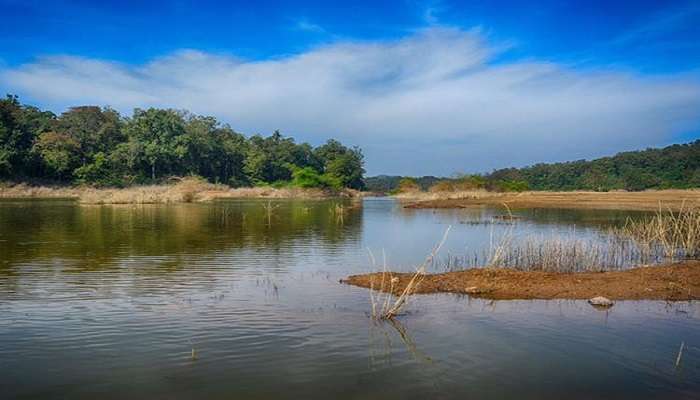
(93, 128)
(19, 128)
(59, 152)
(93, 145)
(345, 164)
(156, 132)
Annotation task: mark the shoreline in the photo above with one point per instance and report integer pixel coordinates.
(650, 200)
(183, 191)
(670, 282)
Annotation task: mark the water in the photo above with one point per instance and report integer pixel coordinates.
(112, 301)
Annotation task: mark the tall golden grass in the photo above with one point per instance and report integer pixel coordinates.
(179, 190)
(676, 234)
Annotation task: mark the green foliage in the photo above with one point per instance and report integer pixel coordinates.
(672, 167)
(59, 153)
(100, 172)
(390, 183)
(19, 127)
(407, 185)
(308, 177)
(97, 146)
(511, 186)
(342, 163)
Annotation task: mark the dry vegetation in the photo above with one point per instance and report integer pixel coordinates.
(180, 190)
(617, 200)
(567, 267)
(388, 307)
(673, 235)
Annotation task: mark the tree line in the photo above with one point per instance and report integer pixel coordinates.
(672, 167)
(98, 146)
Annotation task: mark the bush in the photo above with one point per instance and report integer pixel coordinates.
(408, 185)
(511, 186)
(98, 172)
(308, 177)
(443, 186)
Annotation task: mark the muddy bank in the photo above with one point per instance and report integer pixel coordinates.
(680, 281)
(648, 200)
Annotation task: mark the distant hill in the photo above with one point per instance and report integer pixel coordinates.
(388, 183)
(676, 166)
(672, 167)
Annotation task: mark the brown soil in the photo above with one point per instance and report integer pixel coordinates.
(680, 281)
(648, 200)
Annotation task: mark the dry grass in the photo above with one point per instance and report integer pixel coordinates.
(617, 200)
(446, 195)
(675, 234)
(180, 190)
(24, 191)
(184, 190)
(390, 305)
(662, 238)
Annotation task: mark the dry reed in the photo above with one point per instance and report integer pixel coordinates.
(676, 234)
(270, 211)
(391, 305)
(663, 237)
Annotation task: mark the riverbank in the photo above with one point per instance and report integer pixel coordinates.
(181, 191)
(646, 200)
(672, 282)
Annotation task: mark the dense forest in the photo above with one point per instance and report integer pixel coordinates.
(676, 166)
(98, 146)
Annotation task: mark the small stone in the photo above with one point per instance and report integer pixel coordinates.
(472, 290)
(600, 301)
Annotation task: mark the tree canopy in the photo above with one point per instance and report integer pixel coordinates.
(672, 167)
(98, 146)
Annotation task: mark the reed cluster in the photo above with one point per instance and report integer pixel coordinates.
(564, 253)
(666, 236)
(675, 234)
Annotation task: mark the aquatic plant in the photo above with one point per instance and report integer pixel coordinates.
(662, 237)
(270, 210)
(676, 234)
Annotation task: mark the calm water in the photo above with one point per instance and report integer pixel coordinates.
(109, 302)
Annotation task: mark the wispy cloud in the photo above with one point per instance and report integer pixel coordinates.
(431, 102)
(431, 10)
(668, 21)
(305, 25)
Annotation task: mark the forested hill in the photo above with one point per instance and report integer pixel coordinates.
(98, 146)
(676, 166)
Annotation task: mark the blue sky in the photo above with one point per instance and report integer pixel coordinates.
(423, 87)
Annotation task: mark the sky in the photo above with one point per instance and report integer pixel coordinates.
(423, 87)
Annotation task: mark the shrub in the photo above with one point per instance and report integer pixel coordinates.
(308, 177)
(408, 185)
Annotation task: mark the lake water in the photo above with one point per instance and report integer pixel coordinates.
(218, 301)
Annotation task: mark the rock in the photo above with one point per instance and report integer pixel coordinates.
(600, 301)
(472, 290)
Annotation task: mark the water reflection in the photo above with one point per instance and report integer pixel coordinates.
(99, 236)
(110, 302)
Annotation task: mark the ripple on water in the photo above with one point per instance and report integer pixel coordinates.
(112, 301)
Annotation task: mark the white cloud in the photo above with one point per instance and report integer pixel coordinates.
(434, 102)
